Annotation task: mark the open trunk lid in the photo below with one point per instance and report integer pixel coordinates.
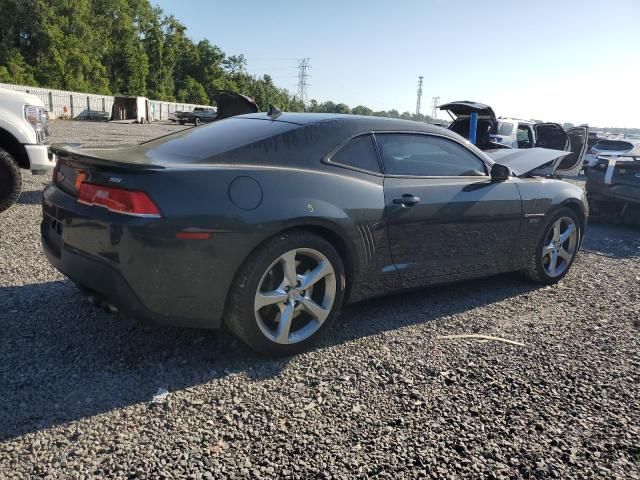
(464, 109)
(231, 104)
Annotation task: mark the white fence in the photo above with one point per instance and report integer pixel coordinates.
(65, 104)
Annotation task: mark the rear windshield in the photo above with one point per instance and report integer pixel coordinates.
(504, 128)
(200, 143)
(613, 145)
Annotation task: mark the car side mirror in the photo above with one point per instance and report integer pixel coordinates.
(500, 173)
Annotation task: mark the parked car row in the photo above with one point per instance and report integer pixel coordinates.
(496, 133)
(229, 104)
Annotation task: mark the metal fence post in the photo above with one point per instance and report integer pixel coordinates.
(104, 108)
(71, 104)
(88, 103)
(50, 101)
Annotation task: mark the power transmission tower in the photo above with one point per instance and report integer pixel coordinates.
(419, 95)
(436, 102)
(303, 77)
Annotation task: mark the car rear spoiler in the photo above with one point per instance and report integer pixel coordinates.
(523, 162)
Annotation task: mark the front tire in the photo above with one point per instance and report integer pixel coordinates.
(197, 122)
(10, 180)
(286, 294)
(556, 249)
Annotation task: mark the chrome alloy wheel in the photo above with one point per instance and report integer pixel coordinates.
(295, 296)
(560, 246)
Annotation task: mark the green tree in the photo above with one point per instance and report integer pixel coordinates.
(17, 71)
(362, 110)
(193, 92)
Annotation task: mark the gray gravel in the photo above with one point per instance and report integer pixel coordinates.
(381, 396)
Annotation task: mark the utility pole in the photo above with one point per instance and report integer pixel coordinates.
(303, 77)
(436, 102)
(419, 95)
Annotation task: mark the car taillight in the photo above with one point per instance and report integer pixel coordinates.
(129, 202)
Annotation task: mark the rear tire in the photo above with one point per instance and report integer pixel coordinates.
(273, 316)
(10, 180)
(557, 248)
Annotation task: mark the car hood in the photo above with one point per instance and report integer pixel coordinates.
(464, 109)
(231, 104)
(524, 161)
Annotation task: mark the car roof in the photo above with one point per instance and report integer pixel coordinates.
(362, 121)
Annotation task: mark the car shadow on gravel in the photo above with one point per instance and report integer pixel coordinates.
(62, 359)
(32, 197)
(613, 241)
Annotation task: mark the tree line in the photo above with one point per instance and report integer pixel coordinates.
(129, 47)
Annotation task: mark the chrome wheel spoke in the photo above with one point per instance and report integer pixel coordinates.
(553, 263)
(316, 311)
(284, 324)
(571, 228)
(562, 253)
(548, 250)
(314, 276)
(556, 230)
(264, 299)
(289, 267)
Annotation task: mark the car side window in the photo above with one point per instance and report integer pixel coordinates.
(525, 136)
(426, 156)
(358, 153)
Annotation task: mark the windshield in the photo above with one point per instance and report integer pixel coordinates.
(503, 128)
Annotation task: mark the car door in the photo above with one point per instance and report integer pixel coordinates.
(578, 145)
(574, 140)
(445, 218)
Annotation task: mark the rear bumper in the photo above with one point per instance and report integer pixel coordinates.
(137, 264)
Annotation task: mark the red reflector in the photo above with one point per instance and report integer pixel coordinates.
(193, 235)
(129, 202)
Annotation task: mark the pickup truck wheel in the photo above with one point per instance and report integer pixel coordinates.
(197, 122)
(10, 180)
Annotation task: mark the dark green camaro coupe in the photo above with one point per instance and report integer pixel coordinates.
(271, 222)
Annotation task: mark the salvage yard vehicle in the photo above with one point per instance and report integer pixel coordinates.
(495, 133)
(23, 142)
(613, 189)
(271, 222)
(199, 115)
(611, 149)
(229, 104)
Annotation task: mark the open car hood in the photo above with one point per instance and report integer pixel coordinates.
(231, 104)
(525, 161)
(464, 109)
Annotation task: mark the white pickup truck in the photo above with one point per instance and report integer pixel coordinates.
(23, 142)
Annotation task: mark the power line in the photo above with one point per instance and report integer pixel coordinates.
(419, 95)
(303, 77)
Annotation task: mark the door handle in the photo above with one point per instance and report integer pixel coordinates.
(406, 200)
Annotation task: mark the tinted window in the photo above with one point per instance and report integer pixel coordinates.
(425, 155)
(358, 153)
(504, 128)
(197, 144)
(525, 136)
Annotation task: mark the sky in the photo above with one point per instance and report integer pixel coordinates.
(563, 61)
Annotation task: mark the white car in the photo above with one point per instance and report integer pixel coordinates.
(23, 142)
(611, 149)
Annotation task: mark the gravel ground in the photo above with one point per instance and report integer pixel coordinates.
(382, 396)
